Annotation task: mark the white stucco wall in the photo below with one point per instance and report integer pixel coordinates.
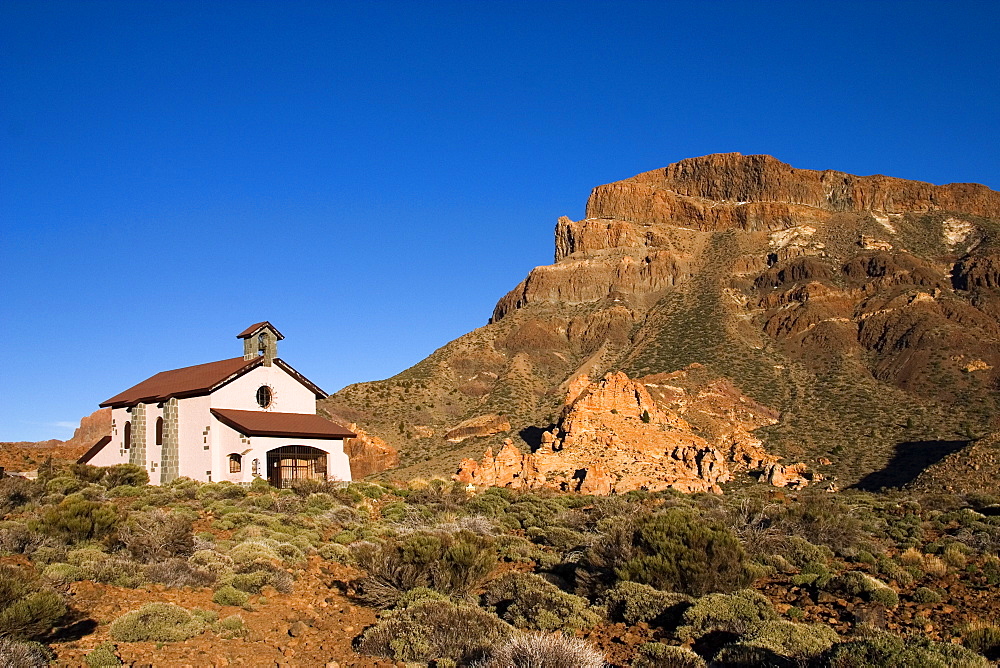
(287, 394)
(111, 453)
(153, 411)
(194, 444)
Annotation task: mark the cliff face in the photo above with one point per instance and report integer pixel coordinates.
(758, 192)
(862, 309)
(368, 454)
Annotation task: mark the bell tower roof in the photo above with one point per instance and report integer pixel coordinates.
(256, 327)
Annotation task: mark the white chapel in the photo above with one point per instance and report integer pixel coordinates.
(236, 419)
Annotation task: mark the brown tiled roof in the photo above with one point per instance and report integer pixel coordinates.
(254, 328)
(94, 449)
(282, 364)
(291, 425)
(190, 381)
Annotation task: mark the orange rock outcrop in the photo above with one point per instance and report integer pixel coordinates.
(368, 454)
(613, 437)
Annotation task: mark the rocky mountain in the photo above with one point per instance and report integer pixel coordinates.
(25, 456)
(864, 311)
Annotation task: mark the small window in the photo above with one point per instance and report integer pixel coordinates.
(127, 440)
(264, 396)
(235, 463)
(159, 431)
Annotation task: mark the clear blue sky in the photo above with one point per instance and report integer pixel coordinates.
(371, 177)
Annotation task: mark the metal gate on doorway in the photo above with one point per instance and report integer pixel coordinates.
(295, 462)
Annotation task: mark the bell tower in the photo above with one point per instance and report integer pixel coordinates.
(260, 340)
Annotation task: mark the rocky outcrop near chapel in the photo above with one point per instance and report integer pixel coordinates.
(613, 437)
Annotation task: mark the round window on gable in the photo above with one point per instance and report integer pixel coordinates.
(264, 396)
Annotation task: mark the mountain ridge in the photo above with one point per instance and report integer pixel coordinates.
(864, 309)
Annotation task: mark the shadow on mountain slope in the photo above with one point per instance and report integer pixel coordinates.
(908, 461)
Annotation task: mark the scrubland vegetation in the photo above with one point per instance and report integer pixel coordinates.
(499, 578)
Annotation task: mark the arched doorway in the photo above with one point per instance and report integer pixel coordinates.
(295, 462)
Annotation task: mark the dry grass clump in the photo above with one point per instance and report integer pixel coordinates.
(935, 567)
(157, 534)
(911, 556)
(538, 650)
(983, 638)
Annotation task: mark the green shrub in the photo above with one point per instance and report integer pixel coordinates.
(162, 622)
(430, 630)
(884, 650)
(814, 573)
(861, 584)
(527, 601)
(76, 519)
(778, 563)
(126, 492)
(419, 595)
(885, 596)
(526, 650)
(785, 639)
(22, 654)
(64, 485)
(659, 655)
(336, 553)
(124, 474)
(453, 564)
(256, 576)
(254, 552)
(231, 627)
(16, 492)
(674, 551)
(632, 602)
(103, 656)
(63, 573)
(730, 613)
(799, 551)
(561, 538)
(230, 595)
(212, 561)
(85, 556)
(27, 609)
(220, 490)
